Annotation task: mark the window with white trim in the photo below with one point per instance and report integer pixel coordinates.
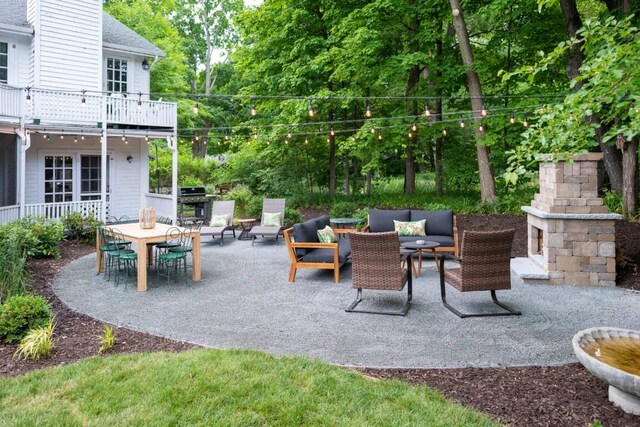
(4, 62)
(117, 75)
(69, 178)
(91, 177)
(58, 179)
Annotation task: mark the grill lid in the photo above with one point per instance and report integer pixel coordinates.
(191, 191)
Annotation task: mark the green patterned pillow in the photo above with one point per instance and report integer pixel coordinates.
(271, 219)
(410, 228)
(219, 221)
(326, 235)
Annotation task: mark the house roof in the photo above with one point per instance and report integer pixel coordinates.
(115, 35)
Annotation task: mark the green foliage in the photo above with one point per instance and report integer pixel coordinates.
(243, 197)
(344, 209)
(613, 201)
(36, 237)
(107, 340)
(37, 343)
(15, 276)
(291, 216)
(226, 388)
(21, 313)
(80, 227)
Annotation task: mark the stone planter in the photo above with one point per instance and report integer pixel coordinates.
(624, 387)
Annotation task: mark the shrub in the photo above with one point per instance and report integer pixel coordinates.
(80, 227)
(37, 237)
(344, 210)
(242, 195)
(21, 313)
(15, 276)
(291, 216)
(38, 343)
(107, 340)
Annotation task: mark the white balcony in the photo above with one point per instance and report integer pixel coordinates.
(66, 108)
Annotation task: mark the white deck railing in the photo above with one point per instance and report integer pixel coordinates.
(58, 210)
(10, 101)
(67, 108)
(9, 213)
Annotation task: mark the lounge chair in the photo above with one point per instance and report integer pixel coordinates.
(218, 228)
(485, 265)
(375, 264)
(271, 221)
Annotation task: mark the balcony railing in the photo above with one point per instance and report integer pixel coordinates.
(53, 107)
(10, 102)
(9, 213)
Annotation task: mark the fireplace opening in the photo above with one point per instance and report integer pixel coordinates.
(538, 240)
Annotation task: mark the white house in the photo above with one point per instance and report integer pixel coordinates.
(75, 117)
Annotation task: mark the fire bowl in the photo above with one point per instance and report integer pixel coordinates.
(613, 355)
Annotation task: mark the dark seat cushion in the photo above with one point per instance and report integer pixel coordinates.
(326, 255)
(382, 219)
(305, 232)
(322, 221)
(439, 223)
(445, 241)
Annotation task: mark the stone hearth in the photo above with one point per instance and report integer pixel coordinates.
(571, 232)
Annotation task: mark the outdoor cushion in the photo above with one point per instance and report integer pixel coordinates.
(445, 241)
(305, 232)
(271, 219)
(410, 228)
(326, 255)
(322, 221)
(382, 219)
(219, 221)
(438, 222)
(326, 235)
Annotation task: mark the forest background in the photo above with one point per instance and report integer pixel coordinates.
(420, 103)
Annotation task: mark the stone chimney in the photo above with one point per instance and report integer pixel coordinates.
(571, 232)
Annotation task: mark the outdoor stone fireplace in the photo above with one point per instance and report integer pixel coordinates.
(571, 232)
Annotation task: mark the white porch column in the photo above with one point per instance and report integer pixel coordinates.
(172, 142)
(24, 137)
(103, 162)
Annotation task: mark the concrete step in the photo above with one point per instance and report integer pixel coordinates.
(528, 271)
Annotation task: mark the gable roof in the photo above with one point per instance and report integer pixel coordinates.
(115, 35)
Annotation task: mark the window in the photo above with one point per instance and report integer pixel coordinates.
(90, 177)
(4, 62)
(58, 179)
(116, 75)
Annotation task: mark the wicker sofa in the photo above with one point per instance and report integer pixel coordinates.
(306, 251)
(440, 226)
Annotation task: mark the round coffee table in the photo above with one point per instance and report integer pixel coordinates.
(425, 245)
(344, 222)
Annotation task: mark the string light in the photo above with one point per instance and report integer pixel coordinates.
(461, 123)
(483, 112)
(289, 134)
(332, 132)
(379, 137)
(253, 107)
(427, 113)
(410, 135)
(83, 101)
(368, 112)
(512, 120)
(372, 130)
(146, 137)
(197, 137)
(306, 141)
(525, 123)
(204, 140)
(226, 136)
(124, 138)
(311, 111)
(139, 101)
(75, 139)
(541, 108)
(481, 128)
(62, 134)
(195, 108)
(82, 135)
(28, 95)
(444, 132)
(414, 127)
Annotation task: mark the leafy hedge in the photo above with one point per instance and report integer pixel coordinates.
(20, 314)
(36, 237)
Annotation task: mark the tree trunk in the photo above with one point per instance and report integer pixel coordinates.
(332, 157)
(367, 184)
(439, 143)
(346, 185)
(487, 185)
(629, 183)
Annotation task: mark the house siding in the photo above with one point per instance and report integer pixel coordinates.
(67, 44)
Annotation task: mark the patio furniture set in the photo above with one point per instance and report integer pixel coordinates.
(377, 252)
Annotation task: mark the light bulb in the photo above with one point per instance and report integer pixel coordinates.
(379, 137)
(333, 132)
(427, 113)
(483, 112)
(82, 135)
(481, 128)
(461, 123)
(373, 130)
(195, 108)
(253, 110)
(414, 127)
(512, 120)
(444, 132)
(368, 112)
(306, 141)
(410, 135)
(525, 123)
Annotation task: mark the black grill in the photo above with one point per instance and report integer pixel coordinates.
(195, 197)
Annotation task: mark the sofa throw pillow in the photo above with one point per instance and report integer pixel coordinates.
(219, 220)
(410, 228)
(271, 219)
(326, 235)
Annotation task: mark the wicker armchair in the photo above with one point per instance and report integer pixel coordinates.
(485, 265)
(375, 260)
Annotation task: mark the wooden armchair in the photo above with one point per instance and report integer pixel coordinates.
(375, 263)
(328, 256)
(485, 265)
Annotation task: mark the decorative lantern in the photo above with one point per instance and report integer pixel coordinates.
(147, 218)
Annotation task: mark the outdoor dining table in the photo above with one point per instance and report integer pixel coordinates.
(140, 237)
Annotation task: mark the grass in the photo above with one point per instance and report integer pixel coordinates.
(214, 387)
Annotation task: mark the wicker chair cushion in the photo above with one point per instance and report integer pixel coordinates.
(439, 223)
(381, 220)
(445, 241)
(305, 232)
(326, 255)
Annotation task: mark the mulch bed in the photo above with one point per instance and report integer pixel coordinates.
(532, 396)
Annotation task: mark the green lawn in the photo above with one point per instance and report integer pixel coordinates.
(213, 387)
